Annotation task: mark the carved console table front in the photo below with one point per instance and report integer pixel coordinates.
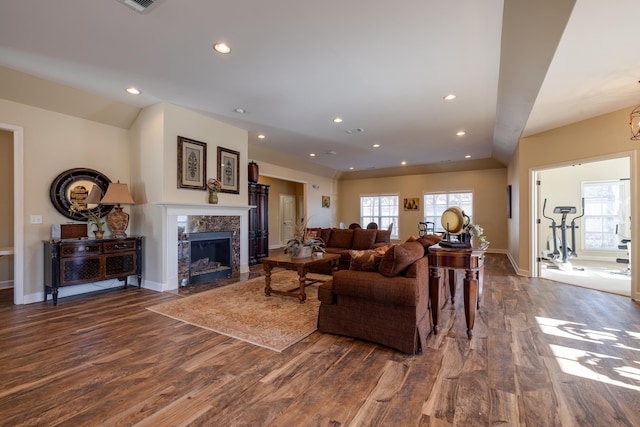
(75, 261)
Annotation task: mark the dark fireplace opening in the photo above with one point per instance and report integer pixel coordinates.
(210, 256)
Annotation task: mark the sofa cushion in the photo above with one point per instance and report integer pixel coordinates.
(399, 258)
(367, 260)
(340, 238)
(325, 234)
(363, 238)
(383, 236)
(426, 240)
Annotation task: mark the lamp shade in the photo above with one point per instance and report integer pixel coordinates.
(94, 196)
(117, 194)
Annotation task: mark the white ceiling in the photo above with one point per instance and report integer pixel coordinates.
(381, 66)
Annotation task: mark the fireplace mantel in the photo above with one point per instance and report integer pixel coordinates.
(171, 211)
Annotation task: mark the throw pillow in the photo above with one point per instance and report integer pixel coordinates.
(399, 257)
(311, 234)
(366, 260)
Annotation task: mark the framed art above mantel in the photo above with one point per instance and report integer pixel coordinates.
(192, 164)
(229, 170)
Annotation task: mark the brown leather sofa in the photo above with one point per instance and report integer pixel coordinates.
(341, 241)
(389, 306)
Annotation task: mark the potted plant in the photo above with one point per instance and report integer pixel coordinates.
(303, 244)
(91, 217)
(213, 186)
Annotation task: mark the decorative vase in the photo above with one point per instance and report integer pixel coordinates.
(99, 234)
(253, 172)
(305, 252)
(213, 197)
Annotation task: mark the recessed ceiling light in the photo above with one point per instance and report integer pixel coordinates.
(467, 156)
(222, 48)
(449, 97)
(133, 91)
(239, 110)
(461, 133)
(337, 120)
(376, 146)
(351, 168)
(354, 130)
(331, 152)
(403, 163)
(312, 154)
(261, 136)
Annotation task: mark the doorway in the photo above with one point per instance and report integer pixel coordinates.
(287, 217)
(584, 216)
(14, 137)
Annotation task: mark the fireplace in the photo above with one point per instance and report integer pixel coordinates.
(210, 256)
(173, 247)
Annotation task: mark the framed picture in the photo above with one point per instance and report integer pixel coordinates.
(229, 170)
(412, 204)
(192, 163)
(326, 201)
(509, 201)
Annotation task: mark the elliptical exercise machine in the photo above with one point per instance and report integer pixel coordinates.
(561, 259)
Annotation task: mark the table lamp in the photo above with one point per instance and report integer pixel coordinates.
(117, 194)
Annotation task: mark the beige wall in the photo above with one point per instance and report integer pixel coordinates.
(489, 199)
(605, 136)
(154, 142)
(6, 206)
(312, 198)
(54, 143)
(278, 187)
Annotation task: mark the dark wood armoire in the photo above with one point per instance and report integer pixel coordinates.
(258, 222)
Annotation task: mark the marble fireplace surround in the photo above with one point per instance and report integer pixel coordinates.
(173, 213)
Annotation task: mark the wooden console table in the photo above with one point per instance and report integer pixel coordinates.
(470, 260)
(74, 261)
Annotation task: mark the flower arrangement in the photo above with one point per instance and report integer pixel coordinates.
(213, 185)
(478, 231)
(303, 239)
(88, 214)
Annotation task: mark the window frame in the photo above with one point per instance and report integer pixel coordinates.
(434, 217)
(383, 221)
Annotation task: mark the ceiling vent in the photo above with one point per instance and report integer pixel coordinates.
(140, 6)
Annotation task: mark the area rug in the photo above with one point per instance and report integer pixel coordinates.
(242, 310)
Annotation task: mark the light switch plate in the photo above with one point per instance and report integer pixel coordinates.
(36, 219)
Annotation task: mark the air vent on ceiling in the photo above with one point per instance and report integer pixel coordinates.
(140, 6)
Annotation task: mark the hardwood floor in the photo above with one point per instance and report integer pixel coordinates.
(543, 354)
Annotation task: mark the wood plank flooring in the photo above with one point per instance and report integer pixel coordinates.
(543, 354)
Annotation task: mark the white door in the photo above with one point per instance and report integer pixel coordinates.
(288, 217)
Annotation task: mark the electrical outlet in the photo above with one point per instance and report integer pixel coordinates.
(36, 219)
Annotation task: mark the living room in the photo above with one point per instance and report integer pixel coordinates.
(543, 353)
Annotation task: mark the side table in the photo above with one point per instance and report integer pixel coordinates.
(468, 259)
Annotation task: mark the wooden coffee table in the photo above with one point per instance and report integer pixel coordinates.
(301, 265)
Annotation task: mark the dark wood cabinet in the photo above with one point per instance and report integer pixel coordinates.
(73, 261)
(258, 222)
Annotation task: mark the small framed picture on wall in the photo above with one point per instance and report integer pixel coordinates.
(192, 163)
(412, 204)
(326, 201)
(229, 170)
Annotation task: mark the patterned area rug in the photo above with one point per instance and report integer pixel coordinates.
(242, 310)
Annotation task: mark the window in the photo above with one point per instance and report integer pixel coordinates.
(603, 211)
(381, 209)
(436, 203)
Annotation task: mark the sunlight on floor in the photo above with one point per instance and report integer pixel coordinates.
(597, 366)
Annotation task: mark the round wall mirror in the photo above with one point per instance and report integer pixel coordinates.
(73, 187)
